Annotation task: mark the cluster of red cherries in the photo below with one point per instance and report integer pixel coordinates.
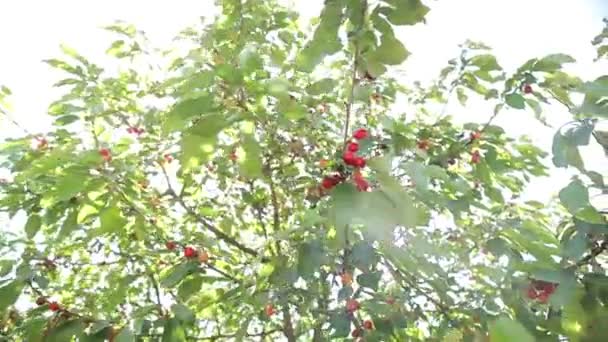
(135, 130)
(541, 290)
(353, 305)
(53, 306)
(350, 158)
(189, 252)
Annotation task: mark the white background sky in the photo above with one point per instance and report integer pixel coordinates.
(31, 30)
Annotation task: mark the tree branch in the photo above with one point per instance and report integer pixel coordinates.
(401, 278)
(218, 233)
(597, 250)
(157, 292)
(351, 91)
(288, 330)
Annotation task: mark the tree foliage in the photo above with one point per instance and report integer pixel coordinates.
(207, 192)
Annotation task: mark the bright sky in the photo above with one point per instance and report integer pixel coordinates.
(31, 30)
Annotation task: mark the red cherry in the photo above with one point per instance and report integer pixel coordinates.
(550, 288)
(328, 183)
(349, 158)
(528, 89)
(362, 184)
(353, 147)
(360, 134)
(543, 297)
(130, 130)
(369, 325)
(53, 306)
(359, 162)
(190, 252)
(269, 309)
(105, 154)
(475, 157)
(390, 300)
(531, 293)
(356, 333)
(171, 245)
(168, 158)
(352, 305)
(475, 135)
(423, 144)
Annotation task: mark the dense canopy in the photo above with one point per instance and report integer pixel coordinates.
(257, 182)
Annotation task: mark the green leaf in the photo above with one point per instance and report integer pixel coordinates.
(189, 286)
(325, 40)
(9, 294)
(125, 335)
(485, 62)
(576, 246)
(505, 329)
(173, 331)
(184, 111)
(250, 163)
(552, 62)
(596, 100)
(516, 101)
(363, 255)
(391, 51)
(462, 97)
(183, 313)
(6, 266)
(34, 329)
(112, 221)
(65, 331)
(339, 323)
(177, 274)
(198, 143)
(321, 87)
(66, 120)
(208, 126)
(362, 93)
(345, 292)
(538, 111)
(573, 318)
(99, 326)
(580, 134)
(311, 255)
(565, 153)
(69, 185)
(278, 87)
(196, 150)
(69, 224)
(144, 310)
(32, 226)
(369, 280)
(574, 196)
(408, 12)
(249, 58)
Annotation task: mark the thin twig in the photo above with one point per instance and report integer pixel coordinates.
(351, 95)
(218, 233)
(597, 250)
(223, 273)
(157, 292)
(401, 278)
